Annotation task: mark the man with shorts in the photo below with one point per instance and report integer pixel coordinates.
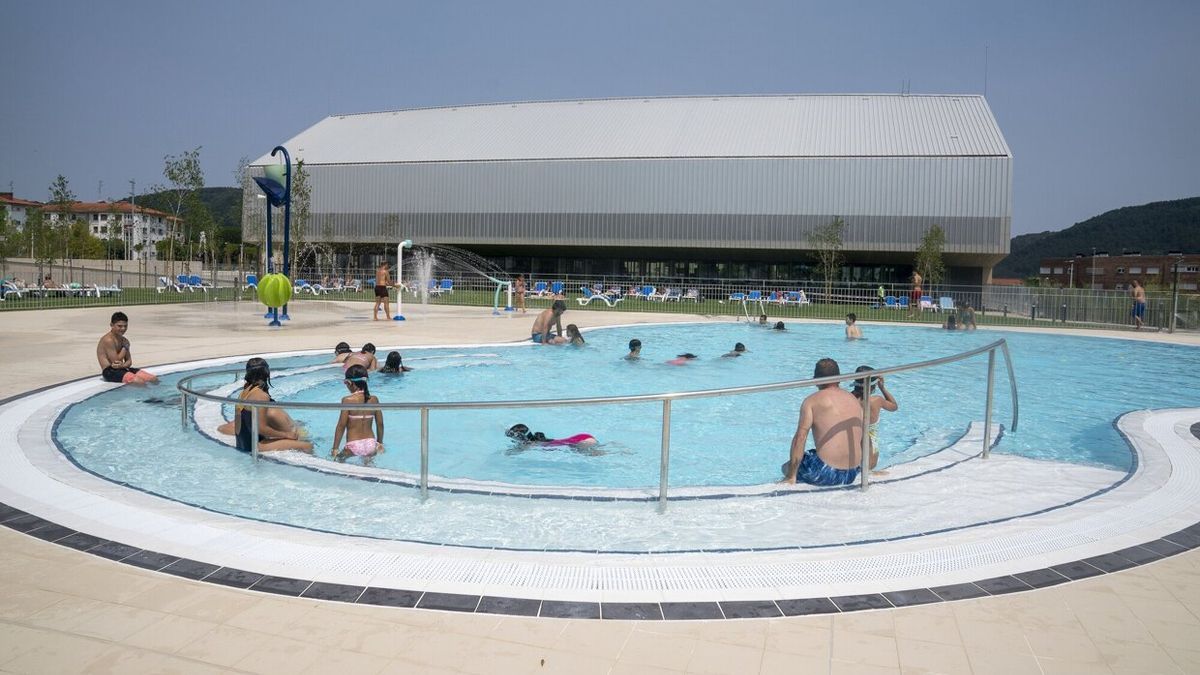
(116, 362)
(549, 318)
(835, 418)
(383, 281)
(1139, 303)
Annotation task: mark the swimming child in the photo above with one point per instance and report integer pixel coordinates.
(574, 337)
(276, 429)
(779, 326)
(738, 350)
(635, 350)
(342, 352)
(762, 320)
(526, 438)
(853, 332)
(356, 424)
(886, 402)
(682, 359)
(365, 358)
(394, 364)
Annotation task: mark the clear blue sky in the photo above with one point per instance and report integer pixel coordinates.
(1099, 101)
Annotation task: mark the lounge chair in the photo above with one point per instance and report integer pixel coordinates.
(672, 294)
(447, 286)
(251, 283)
(164, 283)
(889, 302)
(692, 294)
(613, 292)
(556, 288)
(197, 282)
(754, 296)
(660, 296)
(796, 298)
(9, 288)
(354, 285)
(648, 293)
(903, 304)
(433, 287)
(182, 282)
(926, 302)
(633, 292)
(946, 304)
(589, 296)
(539, 289)
(737, 297)
(101, 291)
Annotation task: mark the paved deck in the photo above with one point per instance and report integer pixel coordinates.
(63, 611)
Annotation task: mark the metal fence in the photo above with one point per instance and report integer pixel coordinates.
(779, 300)
(187, 389)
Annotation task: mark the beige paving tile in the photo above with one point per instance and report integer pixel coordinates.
(741, 633)
(444, 650)
(120, 660)
(341, 661)
(844, 668)
(989, 635)
(569, 663)
(1002, 662)
(63, 614)
(379, 638)
(222, 646)
(1188, 660)
(779, 662)
(873, 623)
(18, 603)
(1063, 645)
(542, 633)
(115, 622)
(801, 639)
(1134, 657)
(1115, 626)
(1061, 667)
(493, 656)
(169, 634)
(194, 600)
(714, 658)
(927, 627)
(865, 649)
(1161, 610)
(1174, 635)
(278, 655)
(672, 652)
(401, 667)
(16, 640)
(57, 653)
(932, 657)
(603, 639)
(633, 669)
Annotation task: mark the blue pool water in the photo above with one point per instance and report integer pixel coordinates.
(1072, 388)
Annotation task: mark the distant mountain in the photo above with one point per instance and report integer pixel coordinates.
(1153, 228)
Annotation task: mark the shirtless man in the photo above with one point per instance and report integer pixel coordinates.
(116, 363)
(541, 333)
(914, 296)
(1139, 303)
(383, 281)
(835, 418)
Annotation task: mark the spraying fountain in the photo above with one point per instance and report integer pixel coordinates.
(428, 262)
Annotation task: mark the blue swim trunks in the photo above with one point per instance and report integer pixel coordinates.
(814, 471)
(536, 337)
(1139, 310)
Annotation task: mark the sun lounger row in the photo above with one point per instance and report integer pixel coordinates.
(924, 302)
(777, 297)
(74, 289)
(183, 282)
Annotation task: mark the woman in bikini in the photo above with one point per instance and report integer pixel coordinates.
(276, 429)
(357, 424)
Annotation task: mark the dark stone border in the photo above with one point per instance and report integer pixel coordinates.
(1109, 563)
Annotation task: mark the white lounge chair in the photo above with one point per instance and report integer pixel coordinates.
(590, 296)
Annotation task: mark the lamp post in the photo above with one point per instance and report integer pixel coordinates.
(407, 243)
(277, 184)
(1071, 274)
(1093, 286)
(1178, 255)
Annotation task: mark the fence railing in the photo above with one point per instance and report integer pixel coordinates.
(780, 300)
(187, 390)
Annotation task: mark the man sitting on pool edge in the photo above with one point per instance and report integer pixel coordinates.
(835, 418)
(542, 332)
(116, 361)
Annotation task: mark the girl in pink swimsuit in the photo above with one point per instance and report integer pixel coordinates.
(363, 428)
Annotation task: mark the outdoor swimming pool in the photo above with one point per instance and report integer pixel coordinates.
(735, 440)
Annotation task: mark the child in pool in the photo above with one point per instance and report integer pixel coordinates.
(394, 364)
(682, 359)
(357, 424)
(524, 437)
(574, 337)
(342, 352)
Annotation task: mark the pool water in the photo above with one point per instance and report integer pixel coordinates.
(1072, 388)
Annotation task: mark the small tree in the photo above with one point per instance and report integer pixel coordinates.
(929, 255)
(184, 177)
(827, 244)
(301, 211)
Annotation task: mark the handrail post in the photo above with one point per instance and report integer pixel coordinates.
(183, 416)
(865, 460)
(253, 432)
(987, 412)
(1012, 384)
(665, 455)
(424, 453)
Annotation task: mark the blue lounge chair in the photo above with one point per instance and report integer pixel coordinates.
(903, 302)
(447, 286)
(196, 282)
(539, 289)
(754, 296)
(692, 294)
(737, 296)
(672, 294)
(589, 296)
(926, 302)
(251, 283)
(556, 288)
(890, 302)
(946, 304)
(164, 283)
(647, 293)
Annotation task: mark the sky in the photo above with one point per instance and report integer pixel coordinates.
(1098, 101)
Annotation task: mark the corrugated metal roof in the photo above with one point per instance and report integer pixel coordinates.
(842, 125)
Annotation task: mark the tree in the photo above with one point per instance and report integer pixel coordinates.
(185, 178)
(826, 242)
(62, 198)
(253, 225)
(301, 211)
(929, 256)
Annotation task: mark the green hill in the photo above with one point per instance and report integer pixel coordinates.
(1152, 228)
(224, 204)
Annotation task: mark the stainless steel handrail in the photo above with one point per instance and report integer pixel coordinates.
(185, 388)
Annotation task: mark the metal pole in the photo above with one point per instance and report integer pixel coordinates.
(253, 431)
(183, 416)
(1012, 384)
(424, 453)
(1174, 296)
(987, 412)
(665, 455)
(865, 460)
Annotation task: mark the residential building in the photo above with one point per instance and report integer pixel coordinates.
(139, 227)
(1115, 272)
(17, 210)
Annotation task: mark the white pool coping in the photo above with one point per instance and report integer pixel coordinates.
(1161, 496)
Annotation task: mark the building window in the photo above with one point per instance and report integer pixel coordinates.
(1044, 270)
(1191, 268)
(1151, 270)
(1187, 286)
(1135, 270)
(1058, 270)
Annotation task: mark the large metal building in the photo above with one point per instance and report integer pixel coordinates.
(682, 186)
